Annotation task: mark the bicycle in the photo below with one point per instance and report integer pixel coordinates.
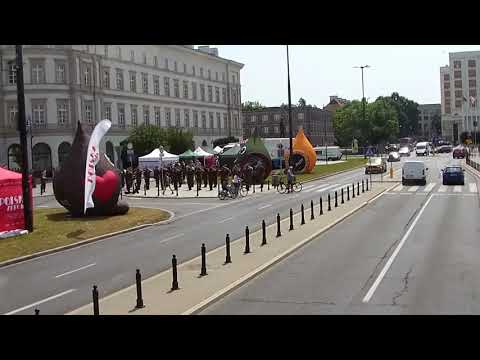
(283, 187)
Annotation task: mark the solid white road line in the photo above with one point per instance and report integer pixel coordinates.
(264, 206)
(473, 187)
(40, 302)
(224, 220)
(398, 188)
(442, 188)
(70, 272)
(429, 187)
(171, 238)
(457, 188)
(370, 292)
(413, 188)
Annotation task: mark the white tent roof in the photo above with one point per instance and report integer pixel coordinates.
(155, 155)
(200, 152)
(217, 149)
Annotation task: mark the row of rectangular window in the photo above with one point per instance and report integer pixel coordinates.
(276, 117)
(457, 64)
(166, 64)
(37, 74)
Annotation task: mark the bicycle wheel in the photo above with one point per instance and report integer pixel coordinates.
(297, 187)
(243, 190)
(282, 188)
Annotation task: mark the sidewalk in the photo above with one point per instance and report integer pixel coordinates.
(197, 292)
(48, 190)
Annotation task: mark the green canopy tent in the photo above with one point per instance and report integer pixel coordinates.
(229, 156)
(187, 155)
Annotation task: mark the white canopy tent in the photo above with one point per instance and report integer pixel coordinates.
(199, 152)
(153, 159)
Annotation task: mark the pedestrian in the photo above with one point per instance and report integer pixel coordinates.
(138, 180)
(190, 170)
(156, 176)
(290, 177)
(236, 183)
(210, 178)
(224, 174)
(129, 179)
(43, 181)
(215, 176)
(205, 177)
(146, 176)
(249, 175)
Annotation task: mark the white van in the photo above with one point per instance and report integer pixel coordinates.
(331, 153)
(423, 149)
(414, 172)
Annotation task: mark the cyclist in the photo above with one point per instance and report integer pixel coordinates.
(290, 177)
(236, 183)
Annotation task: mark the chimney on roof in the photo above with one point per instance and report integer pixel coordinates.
(207, 50)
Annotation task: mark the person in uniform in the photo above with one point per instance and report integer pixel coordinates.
(249, 175)
(146, 176)
(190, 175)
(224, 174)
(129, 179)
(215, 176)
(204, 176)
(138, 180)
(156, 176)
(198, 176)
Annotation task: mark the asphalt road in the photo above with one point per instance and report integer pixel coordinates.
(62, 282)
(412, 251)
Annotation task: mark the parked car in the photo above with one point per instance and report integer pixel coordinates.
(423, 149)
(459, 152)
(404, 151)
(414, 171)
(376, 165)
(453, 175)
(393, 156)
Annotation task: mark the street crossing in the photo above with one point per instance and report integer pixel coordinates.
(435, 187)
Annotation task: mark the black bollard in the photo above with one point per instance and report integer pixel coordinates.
(144, 190)
(95, 300)
(353, 191)
(303, 215)
(247, 241)
(203, 271)
(264, 233)
(367, 184)
(261, 187)
(363, 186)
(291, 219)
(268, 185)
(174, 272)
(321, 206)
(336, 199)
(228, 259)
(176, 190)
(254, 188)
(197, 190)
(121, 194)
(312, 217)
(138, 280)
(329, 206)
(279, 233)
(348, 193)
(358, 188)
(343, 202)
(37, 312)
(158, 191)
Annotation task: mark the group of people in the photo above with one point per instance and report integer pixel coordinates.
(191, 173)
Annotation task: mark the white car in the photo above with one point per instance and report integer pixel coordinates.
(414, 171)
(423, 149)
(404, 151)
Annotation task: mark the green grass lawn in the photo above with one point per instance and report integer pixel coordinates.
(54, 227)
(323, 170)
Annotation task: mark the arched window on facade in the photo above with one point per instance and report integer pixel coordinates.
(14, 157)
(41, 157)
(63, 152)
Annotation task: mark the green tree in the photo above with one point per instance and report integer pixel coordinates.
(225, 141)
(145, 138)
(302, 102)
(407, 112)
(252, 106)
(179, 141)
(380, 125)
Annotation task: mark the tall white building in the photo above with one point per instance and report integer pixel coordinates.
(459, 94)
(164, 85)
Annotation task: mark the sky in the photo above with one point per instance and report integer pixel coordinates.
(318, 71)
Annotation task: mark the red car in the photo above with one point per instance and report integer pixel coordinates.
(459, 153)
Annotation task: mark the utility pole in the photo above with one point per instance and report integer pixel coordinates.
(22, 127)
(290, 161)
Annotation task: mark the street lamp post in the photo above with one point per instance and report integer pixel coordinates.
(27, 204)
(363, 91)
(289, 112)
(161, 167)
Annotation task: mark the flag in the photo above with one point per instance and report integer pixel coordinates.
(93, 156)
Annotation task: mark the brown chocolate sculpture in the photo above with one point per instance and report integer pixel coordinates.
(69, 182)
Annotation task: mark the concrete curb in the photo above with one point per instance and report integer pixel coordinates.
(85, 242)
(235, 285)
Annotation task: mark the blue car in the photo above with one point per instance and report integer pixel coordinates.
(453, 175)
